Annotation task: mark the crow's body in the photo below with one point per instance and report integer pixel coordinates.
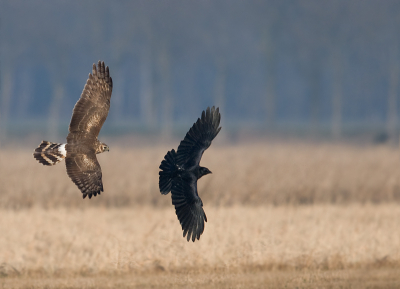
(180, 171)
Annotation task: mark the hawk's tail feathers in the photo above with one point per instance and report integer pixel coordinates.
(168, 171)
(49, 153)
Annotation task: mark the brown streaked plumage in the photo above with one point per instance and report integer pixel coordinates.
(88, 116)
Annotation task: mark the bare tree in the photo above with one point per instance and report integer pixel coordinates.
(6, 84)
(270, 97)
(55, 109)
(272, 19)
(167, 103)
(337, 66)
(220, 82)
(146, 91)
(392, 119)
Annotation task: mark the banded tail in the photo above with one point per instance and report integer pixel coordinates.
(168, 172)
(49, 153)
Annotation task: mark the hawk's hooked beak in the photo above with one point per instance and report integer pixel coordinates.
(106, 149)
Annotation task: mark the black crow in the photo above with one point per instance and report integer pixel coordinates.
(180, 171)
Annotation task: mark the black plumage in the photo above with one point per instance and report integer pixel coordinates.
(181, 169)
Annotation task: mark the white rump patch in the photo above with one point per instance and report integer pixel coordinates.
(62, 150)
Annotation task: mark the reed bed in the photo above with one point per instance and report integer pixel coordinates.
(110, 241)
(250, 174)
(279, 213)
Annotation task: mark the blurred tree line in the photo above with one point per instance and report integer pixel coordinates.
(267, 64)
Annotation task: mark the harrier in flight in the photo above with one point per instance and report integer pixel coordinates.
(180, 171)
(88, 116)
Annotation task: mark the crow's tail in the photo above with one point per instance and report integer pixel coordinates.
(168, 172)
(49, 153)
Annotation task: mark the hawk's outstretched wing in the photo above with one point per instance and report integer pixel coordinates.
(88, 116)
(188, 207)
(85, 171)
(91, 110)
(198, 138)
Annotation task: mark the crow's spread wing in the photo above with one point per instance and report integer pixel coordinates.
(188, 207)
(91, 110)
(198, 138)
(85, 171)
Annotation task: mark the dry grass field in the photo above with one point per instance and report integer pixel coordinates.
(242, 247)
(252, 174)
(280, 215)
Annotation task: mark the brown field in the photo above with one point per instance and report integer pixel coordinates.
(279, 215)
(243, 242)
(258, 174)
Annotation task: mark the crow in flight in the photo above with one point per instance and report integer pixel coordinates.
(180, 171)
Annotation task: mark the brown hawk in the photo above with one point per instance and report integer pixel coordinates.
(180, 171)
(88, 116)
